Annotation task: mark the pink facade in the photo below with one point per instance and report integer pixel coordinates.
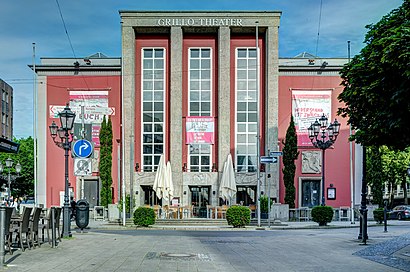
(337, 158)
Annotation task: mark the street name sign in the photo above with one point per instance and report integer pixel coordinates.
(276, 154)
(82, 148)
(267, 159)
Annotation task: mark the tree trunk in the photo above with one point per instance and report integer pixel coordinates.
(404, 185)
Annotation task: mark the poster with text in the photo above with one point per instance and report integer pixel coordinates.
(200, 130)
(307, 106)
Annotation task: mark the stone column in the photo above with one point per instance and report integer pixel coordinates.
(272, 102)
(128, 96)
(224, 96)
(176, 108)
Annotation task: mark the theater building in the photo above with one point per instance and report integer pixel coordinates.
(193, 87)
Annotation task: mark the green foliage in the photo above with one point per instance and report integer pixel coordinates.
(374, 174)
(322, 215)
(144, 216)
(24, 183)
(105, 164)
(290, 154)
(378, 215)
(127, 203)
(376, 83)
(238, 216)
(264, 200)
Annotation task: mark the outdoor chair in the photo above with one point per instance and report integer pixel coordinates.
(23, 228)
(49, 224)
(7, 225)
(34, 222)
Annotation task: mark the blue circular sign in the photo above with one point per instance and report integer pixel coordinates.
(82, 149)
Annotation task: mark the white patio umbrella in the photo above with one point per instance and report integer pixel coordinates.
(227, 187)
(159, 182)
(168, 192)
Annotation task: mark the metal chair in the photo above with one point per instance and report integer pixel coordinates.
(49, 224)
(34, 221)
(7, 225)
(23, 228)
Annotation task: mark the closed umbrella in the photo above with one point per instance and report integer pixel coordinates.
(168, 192)
(159, 182)
(227, 187)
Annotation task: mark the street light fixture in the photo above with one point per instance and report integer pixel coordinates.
(323, 137)
(9, 164)
(64, 132)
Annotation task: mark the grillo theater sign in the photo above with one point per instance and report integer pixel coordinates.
(199, 22)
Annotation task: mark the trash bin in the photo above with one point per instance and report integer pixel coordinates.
(82, 216)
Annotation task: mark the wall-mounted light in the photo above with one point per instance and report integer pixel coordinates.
(184, 192)
(214, 192)
(214, 167)
(136, 192)
(137, 166)
(184, 167)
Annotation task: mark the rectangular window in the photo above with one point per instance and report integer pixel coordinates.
(200, 103)
(153, 106)
(246, 110)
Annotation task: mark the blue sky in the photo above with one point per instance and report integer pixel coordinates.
(94, 26)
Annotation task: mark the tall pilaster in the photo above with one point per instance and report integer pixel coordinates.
(176, 108)
(128, 100)
(224, 95)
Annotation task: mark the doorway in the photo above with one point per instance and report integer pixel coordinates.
(310, 192)
(199, 200)
(150, 196)
(91, 192)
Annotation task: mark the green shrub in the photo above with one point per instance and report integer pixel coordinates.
(322, 215)
(144, 216)
(378, 215)
(127, 204)
(264, 203)
(238, 216)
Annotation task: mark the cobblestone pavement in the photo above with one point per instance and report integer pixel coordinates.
(300, 247)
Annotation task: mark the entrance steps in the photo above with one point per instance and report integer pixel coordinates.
(178, 222)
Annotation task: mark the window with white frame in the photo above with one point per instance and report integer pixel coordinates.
(246, 124)
(200, 103)
(153, 106)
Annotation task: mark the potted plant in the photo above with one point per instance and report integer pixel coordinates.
(264, 202)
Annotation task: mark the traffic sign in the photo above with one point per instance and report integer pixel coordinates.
(82, 148)
(82, 167)
(276, 153)
(267, 159)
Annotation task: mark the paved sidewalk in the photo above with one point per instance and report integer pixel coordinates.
(296, 246)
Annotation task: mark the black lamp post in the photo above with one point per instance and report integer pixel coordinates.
(9, 164)
(323, 137)
(67, 121)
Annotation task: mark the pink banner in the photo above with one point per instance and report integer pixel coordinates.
(200, 130)
(307, 106)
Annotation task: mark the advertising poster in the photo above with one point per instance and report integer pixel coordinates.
(307, 107)
(200, 130)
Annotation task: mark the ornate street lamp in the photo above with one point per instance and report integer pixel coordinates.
(64, 132)
(9, 164)
(323, 137)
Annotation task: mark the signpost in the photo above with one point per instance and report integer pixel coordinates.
(82, 149)
(267, 159)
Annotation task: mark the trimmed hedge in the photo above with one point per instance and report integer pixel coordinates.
(144, 216)
(378, 215)
(322, 215)
(238, 216)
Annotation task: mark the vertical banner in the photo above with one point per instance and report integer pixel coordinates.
(200, 129)
(307, 106)
(95, 104)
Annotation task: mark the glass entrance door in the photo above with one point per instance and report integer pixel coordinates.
(310, 193)
(199, 200)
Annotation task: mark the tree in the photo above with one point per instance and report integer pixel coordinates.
(24, 183)
(105, 163)
(375, 174)
(290, 154)
(377, 83)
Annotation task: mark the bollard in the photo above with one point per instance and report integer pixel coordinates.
(53, 227)
(2, 233)
(385, 215)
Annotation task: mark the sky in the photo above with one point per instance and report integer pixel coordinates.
(320, 27)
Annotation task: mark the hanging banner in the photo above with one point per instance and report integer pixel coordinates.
(307, 106)
(200, 130)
